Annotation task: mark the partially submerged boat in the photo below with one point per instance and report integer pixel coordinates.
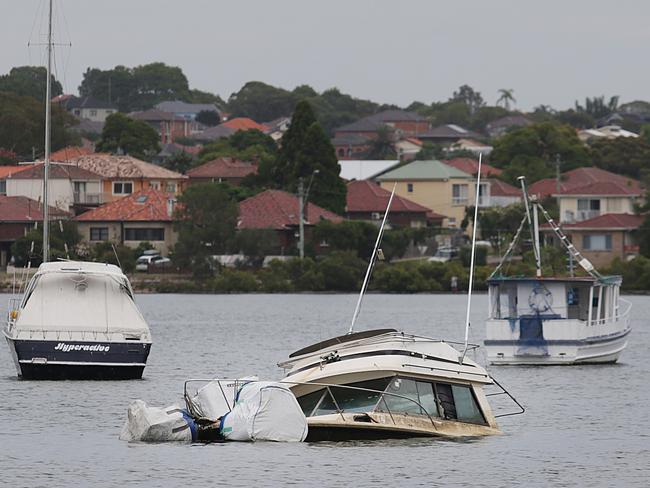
(78, 320)
(549, 320)
(388, 384)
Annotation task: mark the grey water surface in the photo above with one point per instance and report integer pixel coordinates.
(584, 425)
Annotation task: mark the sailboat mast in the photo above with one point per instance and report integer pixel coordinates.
(48, 131)
(471, 264)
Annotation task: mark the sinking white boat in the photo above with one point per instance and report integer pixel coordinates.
(548, 320)
(78, 320)
(382, 383)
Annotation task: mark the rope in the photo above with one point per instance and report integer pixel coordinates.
(512, 245)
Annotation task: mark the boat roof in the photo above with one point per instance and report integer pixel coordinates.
(79, 267)
(556, 279)
(340, 340)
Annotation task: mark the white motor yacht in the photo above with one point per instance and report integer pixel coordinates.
(78, 320)
(547, 320)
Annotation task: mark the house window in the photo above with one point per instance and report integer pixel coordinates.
(108, 112)
(451, 221)
(3, 187)
(144, 234)
(459, 194)
(602, 242)
(93, 113)
(99, 233)
(170, 187)
(155, 185)
(483, 195)
(77, 112)
(588, 208)
(122, 188)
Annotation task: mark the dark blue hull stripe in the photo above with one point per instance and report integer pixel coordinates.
(544, 342)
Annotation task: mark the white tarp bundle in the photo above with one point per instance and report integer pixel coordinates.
(265, 411)
(216, 399)
(152, 424)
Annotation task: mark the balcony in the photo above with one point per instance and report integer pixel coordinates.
(83, 198)
(586, 215)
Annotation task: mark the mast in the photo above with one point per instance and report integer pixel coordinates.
(48, 130)
(534, 231)
(371, 264)
(471, 265)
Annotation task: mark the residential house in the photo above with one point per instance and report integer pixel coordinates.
(5, 173)
(88, 108)
(435, 185)
(244, 123)
(224, 169)
(18, 215)
(470, 145)
(398, 121)
(470, 165)
(351, 146)
(68, 153)
(446, 134)
(499, 127)
(276, 128)
(365, 169)
(184, 110)
(144, 216)
(585, 193)
(172, 150)
(603, 238)
(501, 194)
(69, 185)
(279, 210)
(606, 132)
(407, 148)
(124, 175)
(168, 125)
(366, 200)
(228, 128)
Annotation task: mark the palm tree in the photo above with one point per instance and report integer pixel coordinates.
(506, 97)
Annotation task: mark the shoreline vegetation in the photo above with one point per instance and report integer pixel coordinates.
(342, 272)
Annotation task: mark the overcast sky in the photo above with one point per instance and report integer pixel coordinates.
(550, 52)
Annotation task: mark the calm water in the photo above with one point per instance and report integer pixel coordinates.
(584, 426)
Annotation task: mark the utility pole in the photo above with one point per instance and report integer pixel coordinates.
(301, 222)
(557, 174)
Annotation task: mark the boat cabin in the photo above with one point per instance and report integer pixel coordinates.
(586, 299)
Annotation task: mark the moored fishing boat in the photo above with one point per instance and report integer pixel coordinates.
(546, 320)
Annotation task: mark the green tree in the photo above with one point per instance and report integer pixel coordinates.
(208, 117)
(532, 151)
(134, 137)
(117, 85)
(62, 233)
(305, 148)
(596, 107)
(256, 244)
(206, 220)
(22, 126)
(29, 81)
(506, 97)
(629, 156)
(469, 97)
(381, 147)
(261, 102)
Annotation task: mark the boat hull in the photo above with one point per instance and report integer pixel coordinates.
(79, 360)
(596, 350)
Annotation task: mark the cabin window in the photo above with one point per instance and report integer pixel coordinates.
(99, 233)
(409, 396)
(597, 242)
(122, 188)
(144, 234)
(308, 402)
(352, 400)
(572, 296)
(466, 408)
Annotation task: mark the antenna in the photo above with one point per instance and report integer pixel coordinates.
(373, 259)
(116, 256)
(471, 264)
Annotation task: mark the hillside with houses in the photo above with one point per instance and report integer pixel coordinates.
(271, 176)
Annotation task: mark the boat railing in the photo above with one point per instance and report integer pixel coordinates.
(551, 315)
(235, 384)
(624, 315)
(503, 391)
(12, 312)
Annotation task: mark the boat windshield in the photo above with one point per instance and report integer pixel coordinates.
(397, 395)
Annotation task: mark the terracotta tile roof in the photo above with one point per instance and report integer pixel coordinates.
(500, 188)
(144, 206)
(276, 209)
(609, 221)
(70, 152)
(23, 209)
(57, 172)
(431, 215)
(469, 165)
(223, 168)
(244, 123)
(10, 170)
(587, 181)
(111, 167)
(366, 196)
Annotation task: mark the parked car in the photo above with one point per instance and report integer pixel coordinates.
(444, 254)
(152, 262)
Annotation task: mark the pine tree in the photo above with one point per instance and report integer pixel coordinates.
(305, 149)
